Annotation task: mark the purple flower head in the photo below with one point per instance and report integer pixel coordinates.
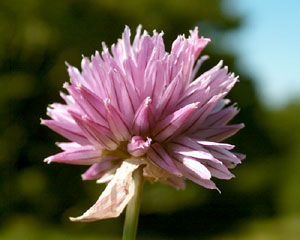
(140, 105)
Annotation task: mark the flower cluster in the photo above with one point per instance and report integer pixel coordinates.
(137, 104)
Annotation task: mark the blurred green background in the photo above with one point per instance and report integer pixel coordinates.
(38, 36)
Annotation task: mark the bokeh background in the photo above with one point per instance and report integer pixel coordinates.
(256, 39)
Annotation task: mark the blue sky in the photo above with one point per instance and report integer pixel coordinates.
(268, 46)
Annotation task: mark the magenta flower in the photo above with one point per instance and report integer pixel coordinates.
(140, 105)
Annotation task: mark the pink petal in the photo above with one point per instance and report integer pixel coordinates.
(240, 156)
(224, 155)
(220, 105)
(159, 157)
(94, 105)
(138, 146)
(97, 170)
(120, 95)
(218, 133)
(66, 131)
(116, 195)
(198, 43)
(195, 178)
(200, 89)
(154, 81)
(86, 155)
(75, 75)
(117, 124)
(196, 167)
(215, 144)
(143, 118)
(221, 117)
(198, 65)
(168, 126)
(188, 147)
(99, 135)
(170, 97)
(196, 121)
(218, 170)
(67, 146)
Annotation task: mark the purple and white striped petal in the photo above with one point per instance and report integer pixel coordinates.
(218, 133)
(97, 170)
(221, 117)
(195, 178)
(118, 125)
(94, 104)
(143, 118)
(159, 157)
(70, 132)
(195, 166)
(215, 144)
(99, 135)
(168, 126)
(224, 155)
(86, 155)
(186, 146)
(218, 170)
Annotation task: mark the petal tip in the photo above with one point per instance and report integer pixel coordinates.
(48, 160)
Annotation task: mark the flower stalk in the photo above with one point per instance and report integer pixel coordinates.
(133, 207)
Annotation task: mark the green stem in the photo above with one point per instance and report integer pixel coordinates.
(133, 207)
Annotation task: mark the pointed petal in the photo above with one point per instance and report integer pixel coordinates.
(217, 134)
(158, 156)
(196, 167)
(220, 105)
(230, 165)
(240, 156)
(199, 89)
(138, 146)
(99, 135)
(154, 78)
(75, 75)
(94, 104)
(67, 132)
(188, 147)
(143, 118)
(198, 65)
(86, 155)
(224, 155)
(195, 178)
(84, 105)
(215, 144)
(197, 44)
(168, 126)
(220, 118)
(120, 94)
(117, 124)
(218, 170)
(170, 97)
(97, 170)
(67, 146)
(195, 122)
(115, 197)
